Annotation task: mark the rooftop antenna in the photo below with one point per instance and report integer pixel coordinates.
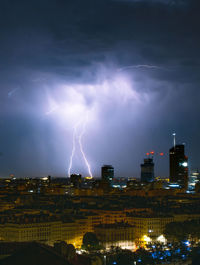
(174, 140)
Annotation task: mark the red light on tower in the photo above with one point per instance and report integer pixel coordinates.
(147, 154)
(161, 154)
(152, 152)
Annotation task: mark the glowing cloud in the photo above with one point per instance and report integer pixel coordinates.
(72, 101)
(76, 105)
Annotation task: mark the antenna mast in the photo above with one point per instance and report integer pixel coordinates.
(174, 139)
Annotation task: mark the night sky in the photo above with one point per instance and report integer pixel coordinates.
(126, 70)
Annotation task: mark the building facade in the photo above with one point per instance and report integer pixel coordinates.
(147, 170)
(116, 235)
(178, 165)
(107, 173)
(148, 227)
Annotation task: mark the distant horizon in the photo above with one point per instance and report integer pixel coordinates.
(95, 176)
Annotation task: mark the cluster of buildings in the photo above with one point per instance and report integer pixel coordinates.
(126, 228)
(119, 220)
(50, 210)
(178, 170)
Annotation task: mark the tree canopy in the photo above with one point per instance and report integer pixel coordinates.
(179, 231)
(90, 241)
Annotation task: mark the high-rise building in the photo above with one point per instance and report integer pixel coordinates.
(178, 165)
(107, 173)
(75, 179)
(147, 170)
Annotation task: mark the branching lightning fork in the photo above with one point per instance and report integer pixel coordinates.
(73, 149)
(80, 136)
(81, 146)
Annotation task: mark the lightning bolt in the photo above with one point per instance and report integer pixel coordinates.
(81, 146)
(73, 149)
(80, 136)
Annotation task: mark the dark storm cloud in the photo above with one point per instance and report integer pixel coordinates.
(45, 44)
(166, 2)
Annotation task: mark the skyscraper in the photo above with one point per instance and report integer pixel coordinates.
(107, 173)
(178, 164)
(75, 179)
(147, 170)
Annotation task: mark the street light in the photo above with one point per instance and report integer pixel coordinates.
(104, 259)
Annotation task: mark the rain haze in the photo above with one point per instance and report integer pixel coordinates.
(114, 78)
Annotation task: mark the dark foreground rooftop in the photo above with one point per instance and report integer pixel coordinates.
(34, 254)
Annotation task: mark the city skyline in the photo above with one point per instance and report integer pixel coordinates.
(126, 70)
(99, 132)
(151, 155)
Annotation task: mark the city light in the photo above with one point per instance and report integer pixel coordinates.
(146, 239)
(161, 239)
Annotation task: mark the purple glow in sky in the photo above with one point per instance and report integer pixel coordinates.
(131, 66)
(80, 106)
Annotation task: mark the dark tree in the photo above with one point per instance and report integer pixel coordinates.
(121, 257)
(175, 231)
(179, 231)
(90, 241)
(71, 252)
(196, 256)
(144, 256)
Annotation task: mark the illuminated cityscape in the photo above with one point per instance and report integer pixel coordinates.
(99, 132)
(112, 216)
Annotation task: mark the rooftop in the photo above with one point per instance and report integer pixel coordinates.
(114, 225)
(34, 254)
